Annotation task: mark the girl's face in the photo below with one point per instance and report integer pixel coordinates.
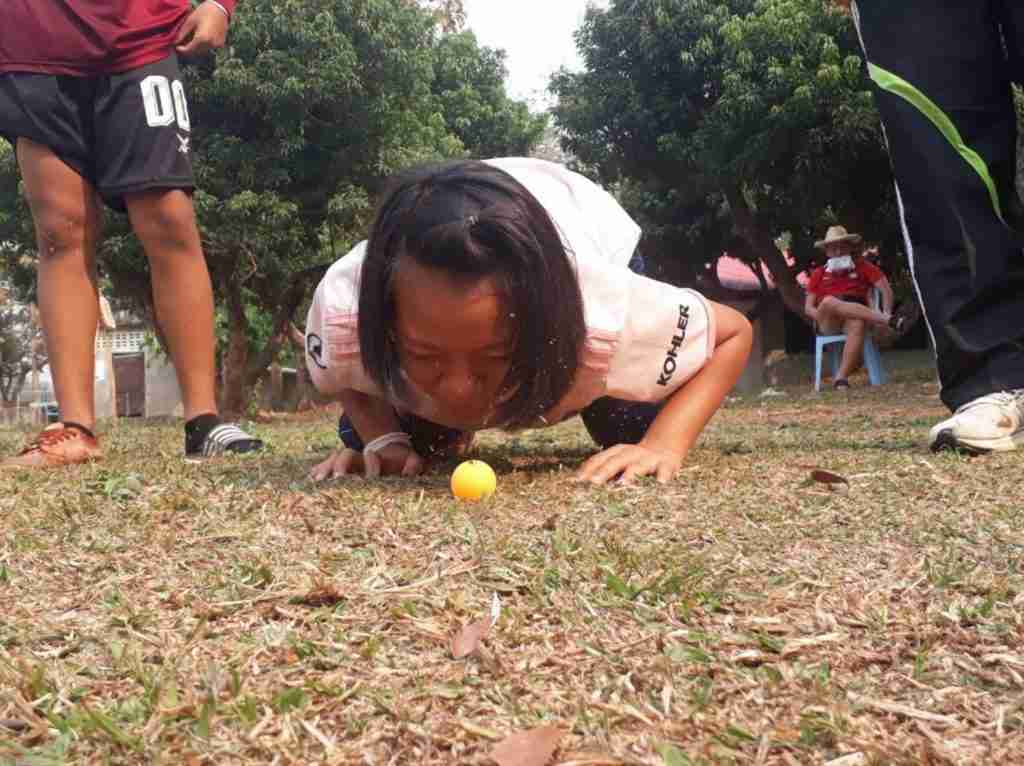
(454, 342)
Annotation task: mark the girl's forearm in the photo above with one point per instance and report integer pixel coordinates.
(371, 415)
(688, 411)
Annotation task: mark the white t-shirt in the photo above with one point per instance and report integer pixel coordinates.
(645, 338)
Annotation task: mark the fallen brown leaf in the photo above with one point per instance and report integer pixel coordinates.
(322, 595)
(827, 477)
(468, 639)
(528, 748)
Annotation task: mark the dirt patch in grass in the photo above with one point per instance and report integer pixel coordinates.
(155, 611)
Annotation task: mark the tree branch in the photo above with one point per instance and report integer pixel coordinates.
(283, 325)
(763, 248)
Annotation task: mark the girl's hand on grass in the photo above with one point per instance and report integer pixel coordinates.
(628, 461)
(393, 460)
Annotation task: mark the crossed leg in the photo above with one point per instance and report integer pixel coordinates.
(853, 349)
(834, 310)
(853, 318)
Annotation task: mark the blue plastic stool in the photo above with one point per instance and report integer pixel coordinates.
(872, 358)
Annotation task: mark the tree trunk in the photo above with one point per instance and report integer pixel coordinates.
(235, 392)
(276, 387)
(303, 384)
(15, 384)
(258, 365)
(261, 362)
(762, 246)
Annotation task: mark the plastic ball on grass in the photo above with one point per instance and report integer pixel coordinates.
(473, 480)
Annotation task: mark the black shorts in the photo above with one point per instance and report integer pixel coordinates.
(123, 133)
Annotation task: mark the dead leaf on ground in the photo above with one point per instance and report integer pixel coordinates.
(321, 595)
(528, 748)
(937, 477)
(827, 477)
(469, 638)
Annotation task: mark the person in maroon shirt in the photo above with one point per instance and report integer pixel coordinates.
(91, 97)
(837, 298)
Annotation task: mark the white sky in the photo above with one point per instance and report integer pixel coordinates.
(536, 35)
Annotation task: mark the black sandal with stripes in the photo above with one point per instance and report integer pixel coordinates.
(226, 437)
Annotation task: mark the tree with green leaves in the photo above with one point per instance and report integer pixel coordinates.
(469, 85)
(18, 332)
(727, 123)
(20, 342)
(450, 14)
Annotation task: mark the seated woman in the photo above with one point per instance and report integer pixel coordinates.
(837, 298)
(500, 294)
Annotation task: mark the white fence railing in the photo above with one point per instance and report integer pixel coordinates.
(26, 413)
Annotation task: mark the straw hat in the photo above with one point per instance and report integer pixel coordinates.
(837, 234)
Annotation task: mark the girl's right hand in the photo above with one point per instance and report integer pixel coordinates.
(393, 460)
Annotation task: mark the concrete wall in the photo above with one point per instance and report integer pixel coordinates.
(163, 397)
(106, 390)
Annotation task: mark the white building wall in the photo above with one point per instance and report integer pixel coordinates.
(163, 397)
(105, 390)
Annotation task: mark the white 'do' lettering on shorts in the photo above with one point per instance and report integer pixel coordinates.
(164, 102)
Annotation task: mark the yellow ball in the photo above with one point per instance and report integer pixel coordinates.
(473, 480)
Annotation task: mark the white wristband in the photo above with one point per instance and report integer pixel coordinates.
(395, 437)
(222, 9)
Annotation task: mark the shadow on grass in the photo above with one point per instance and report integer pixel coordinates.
(292, 472)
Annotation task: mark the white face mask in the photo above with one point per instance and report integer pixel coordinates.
(840, 263)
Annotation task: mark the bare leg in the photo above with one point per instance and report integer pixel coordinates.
(853, 349)
(164, 222)
(66, 214)
(840, 310)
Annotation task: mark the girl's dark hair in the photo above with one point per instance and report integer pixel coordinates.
(472, 220)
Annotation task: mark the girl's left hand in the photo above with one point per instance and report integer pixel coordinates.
(631, 461)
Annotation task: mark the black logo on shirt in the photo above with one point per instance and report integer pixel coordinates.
(315, 348)
(669, 368)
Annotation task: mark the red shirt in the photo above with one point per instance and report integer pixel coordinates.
(855, 283)
(88, 37)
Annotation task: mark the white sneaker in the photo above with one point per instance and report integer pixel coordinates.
(993, 423)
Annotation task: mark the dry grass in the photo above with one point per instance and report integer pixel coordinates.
(153, 611)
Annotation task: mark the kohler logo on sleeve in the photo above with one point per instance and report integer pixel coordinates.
(315, 348)
(668, 369)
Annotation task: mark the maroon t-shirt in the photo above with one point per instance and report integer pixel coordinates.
(88, 37)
